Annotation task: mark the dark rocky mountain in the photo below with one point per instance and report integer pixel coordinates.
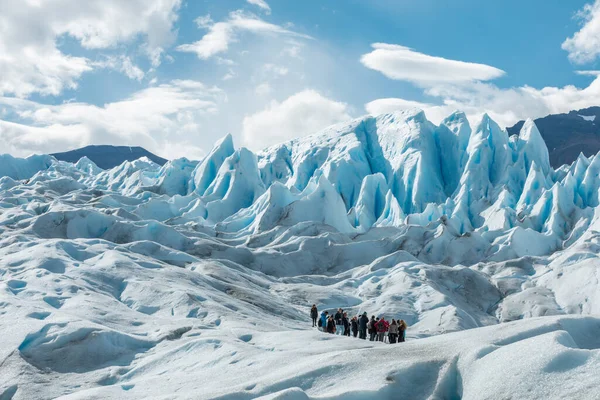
(107, 157)
(567, 135)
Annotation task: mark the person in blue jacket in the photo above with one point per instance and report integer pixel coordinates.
(324, 316)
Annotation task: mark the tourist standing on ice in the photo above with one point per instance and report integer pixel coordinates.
(372, 331)
(314, 314)
(382, 328)
(393, 333)
(354, 323)
(338, 321)
(331, 325)
(402, 331)
(363, 323)
(323, 320)
(346, 324)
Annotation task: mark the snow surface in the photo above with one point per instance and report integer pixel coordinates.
(590, 118)
(194, 279)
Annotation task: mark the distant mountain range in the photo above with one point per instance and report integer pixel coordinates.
(567, 135)
(106, 157)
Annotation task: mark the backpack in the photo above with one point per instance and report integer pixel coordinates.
(320, 323)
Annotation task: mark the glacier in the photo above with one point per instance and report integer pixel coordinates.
(193, 279)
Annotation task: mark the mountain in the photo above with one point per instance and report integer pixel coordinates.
(107, 157)
(568, 135)
(193, 279)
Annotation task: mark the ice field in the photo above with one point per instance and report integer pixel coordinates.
(194, 280)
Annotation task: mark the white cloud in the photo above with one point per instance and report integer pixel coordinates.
(31, 60)
(584, 45)
(229, 75)
(263, 89)
(130, 70)
(276, 69)
(588, 73)
(401, 63)
(262, 4)
(299, 115)
(506, 106)
(221, 34)
(461, 87)
(509, 105)
(122, 64)
(156, 118)
(204, 21)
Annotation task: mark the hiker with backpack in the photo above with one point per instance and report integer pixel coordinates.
(314, 314)
(382, 327)
(371, 327)
(323, 321)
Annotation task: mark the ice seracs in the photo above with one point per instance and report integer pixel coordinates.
(193, 279)
(204, 174)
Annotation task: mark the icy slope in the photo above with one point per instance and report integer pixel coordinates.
(100, 320)
(529, 360)
(192, 280)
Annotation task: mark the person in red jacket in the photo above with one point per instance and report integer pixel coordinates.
(382, 328)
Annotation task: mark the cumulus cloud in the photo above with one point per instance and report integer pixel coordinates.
(505, 105)
(166, 119)
(402, 63)
(262, 4)
(462, 86)
(221, 34)
(584, 45)
(302, 114)
(31, 60)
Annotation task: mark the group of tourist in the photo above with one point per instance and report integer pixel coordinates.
(359, 326)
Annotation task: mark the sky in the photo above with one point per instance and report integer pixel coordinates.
(174, 76)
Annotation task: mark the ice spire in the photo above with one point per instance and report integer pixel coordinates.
(204, 174)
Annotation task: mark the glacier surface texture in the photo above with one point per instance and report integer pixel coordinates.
(195, 279)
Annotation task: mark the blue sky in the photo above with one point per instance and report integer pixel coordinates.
(175, 75)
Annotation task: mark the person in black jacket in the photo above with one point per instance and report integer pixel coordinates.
(401, 331)
(373, 328)
(354, 324)
(338, 321)
(362, 323)
(346, 324)
(314, 314)
(331, 325)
